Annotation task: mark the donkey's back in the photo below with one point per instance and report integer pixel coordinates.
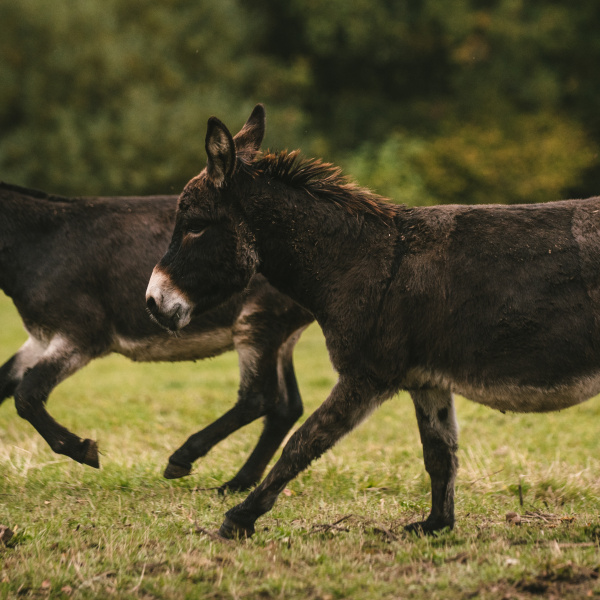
(501, 303)
(77, 266)
(84, 276)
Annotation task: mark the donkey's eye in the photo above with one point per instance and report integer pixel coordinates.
(197, 229)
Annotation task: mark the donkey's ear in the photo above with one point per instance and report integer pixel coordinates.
(220, 150)
(250, 137)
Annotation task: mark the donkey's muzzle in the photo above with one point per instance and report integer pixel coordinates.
(166, 305)
(173, 320)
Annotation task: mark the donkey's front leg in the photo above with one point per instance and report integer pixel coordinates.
(439, 435)
(258, 389)
(58, 362)
(267, 388)
(349, 403)
(282, 410)
(198, 444)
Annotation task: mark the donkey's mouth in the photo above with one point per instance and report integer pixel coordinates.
(166, 304)
(171, 322)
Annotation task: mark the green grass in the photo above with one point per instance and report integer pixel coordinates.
(125, 532)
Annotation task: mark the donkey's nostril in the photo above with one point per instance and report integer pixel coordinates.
(177, 312)
(151, 304)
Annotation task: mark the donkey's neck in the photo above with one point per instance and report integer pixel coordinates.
(313, 249)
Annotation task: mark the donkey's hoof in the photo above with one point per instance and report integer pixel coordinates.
(90, 454)
(174, 471)
(234, 485)
(428, 527)
(230, 530)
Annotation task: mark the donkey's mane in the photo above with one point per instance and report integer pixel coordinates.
(34, 193)
(321, 180)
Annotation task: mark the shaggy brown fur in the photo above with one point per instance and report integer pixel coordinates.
(319, 179)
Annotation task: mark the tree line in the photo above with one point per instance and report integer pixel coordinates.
(426, 101)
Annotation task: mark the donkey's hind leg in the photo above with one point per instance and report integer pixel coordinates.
(58, 361)
(8, 379)
(439, 435)
(12, 371)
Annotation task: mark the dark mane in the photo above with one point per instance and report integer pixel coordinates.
(321, 180)
(34, 193)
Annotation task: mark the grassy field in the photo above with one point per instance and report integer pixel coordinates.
(336, 532)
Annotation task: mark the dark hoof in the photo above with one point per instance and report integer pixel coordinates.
(234, 485)
(427, 527)
(90, 454)
(230, 530)
(174, 471)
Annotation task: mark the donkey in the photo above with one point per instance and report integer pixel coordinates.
(498, 303)
(77, 269)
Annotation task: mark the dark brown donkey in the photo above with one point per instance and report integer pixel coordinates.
(498, 303)
(77, 269)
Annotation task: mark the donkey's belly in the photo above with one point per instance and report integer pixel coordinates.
(170, 348)
(510, 396)
(518, 398)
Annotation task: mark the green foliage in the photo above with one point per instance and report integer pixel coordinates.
(432, 101)
(528, 159)
(112, 97)
(391, 168)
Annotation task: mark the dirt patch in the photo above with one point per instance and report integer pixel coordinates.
(5, 534)
(567, 581)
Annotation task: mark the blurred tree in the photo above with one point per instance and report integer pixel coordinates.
(113, 97)
(532, 158)
(497, 95)
(424, 100)
(392, 168)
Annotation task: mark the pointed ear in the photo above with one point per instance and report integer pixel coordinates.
(220, 150)
(250, 137)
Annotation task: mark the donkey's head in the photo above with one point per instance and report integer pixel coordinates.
(211, 255)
